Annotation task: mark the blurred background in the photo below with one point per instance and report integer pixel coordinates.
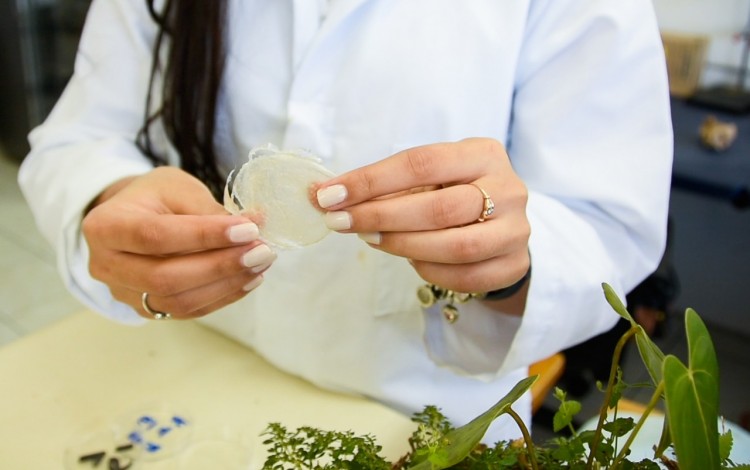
(708, 267)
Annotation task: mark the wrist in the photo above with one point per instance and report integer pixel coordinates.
(511, 299)
(509, 291)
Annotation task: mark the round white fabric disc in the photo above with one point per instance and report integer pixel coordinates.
(276, 189)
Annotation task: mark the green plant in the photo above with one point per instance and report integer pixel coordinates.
(689, 392)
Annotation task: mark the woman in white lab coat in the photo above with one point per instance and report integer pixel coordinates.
(555, 111)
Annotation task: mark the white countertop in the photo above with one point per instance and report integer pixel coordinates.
(81, 375)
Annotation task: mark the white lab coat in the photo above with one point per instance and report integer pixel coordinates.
(576, 90)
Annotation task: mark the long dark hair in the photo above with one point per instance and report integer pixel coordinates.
(190, 86)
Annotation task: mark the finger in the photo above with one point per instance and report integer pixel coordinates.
(164, 234)
(166, 276)
(483, 276)
(470, 244)
(196, 302)
(227, 300)
(433, 164)
(432, 210)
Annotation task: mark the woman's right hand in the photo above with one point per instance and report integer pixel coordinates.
(163, 233)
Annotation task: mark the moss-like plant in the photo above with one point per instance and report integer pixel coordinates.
(689, 392)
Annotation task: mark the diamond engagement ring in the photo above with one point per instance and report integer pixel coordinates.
(157, 315)
(489, 207)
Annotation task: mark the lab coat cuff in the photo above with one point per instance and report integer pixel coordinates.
(73, 258)
(94, 294)
(476, 344)
(570, 264)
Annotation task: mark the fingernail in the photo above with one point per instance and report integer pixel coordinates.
(259, 255)
(373, 238)
(339, 220)
(331, 195)
(243, 233)
(262, 267)
(253, 284)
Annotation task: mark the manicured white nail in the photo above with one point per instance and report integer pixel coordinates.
(339, 220)
(331, 195)
(243, 233)
(262, 267)
(373, 238)
(259, 255)
(253, 284)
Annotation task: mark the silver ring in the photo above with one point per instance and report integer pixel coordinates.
(489, 206)
(157, 315)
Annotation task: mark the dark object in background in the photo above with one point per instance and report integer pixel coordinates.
(38, 43)
(13, 112)
(723, 98)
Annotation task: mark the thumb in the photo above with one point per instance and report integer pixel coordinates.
(183, 193)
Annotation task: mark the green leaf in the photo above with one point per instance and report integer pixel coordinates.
(664, 441)
(615, 302)
(692, 398)
(565, 413)
(701, 349)
(459, 442)
(726, 441)
(440, 458)
(604, 449)
(651, 355)
(568, 450)
(620, 426)
(647, 465)
(618, 387)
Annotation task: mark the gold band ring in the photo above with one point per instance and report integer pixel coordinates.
(489, 206)
(157, 315)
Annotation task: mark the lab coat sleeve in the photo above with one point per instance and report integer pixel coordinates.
(88, 140)
(591, 138)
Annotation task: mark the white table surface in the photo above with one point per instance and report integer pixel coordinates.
(84, 373)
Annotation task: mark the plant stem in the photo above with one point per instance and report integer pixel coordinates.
(573, 431)
(651, 405)
(608, 396)
(526, 437)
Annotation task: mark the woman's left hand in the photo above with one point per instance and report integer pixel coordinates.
(425, 204)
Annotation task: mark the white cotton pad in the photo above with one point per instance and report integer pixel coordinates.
(276, 189)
